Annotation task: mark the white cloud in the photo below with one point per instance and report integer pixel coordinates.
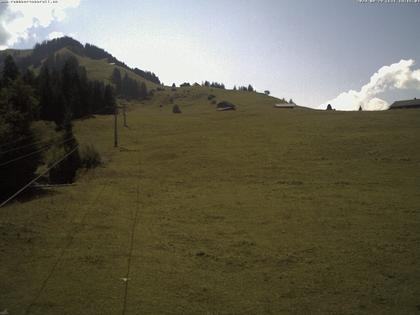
(396, 76)
(20, 20)
(55, 34)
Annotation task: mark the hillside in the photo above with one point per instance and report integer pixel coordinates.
(196, 99)
(257, 211)
(99, 63)
(101, 69)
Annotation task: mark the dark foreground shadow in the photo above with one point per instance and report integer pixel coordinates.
(31, 194)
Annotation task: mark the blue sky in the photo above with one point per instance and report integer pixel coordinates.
(307, 50)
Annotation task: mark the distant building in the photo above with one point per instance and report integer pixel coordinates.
(223, 106)
(415, 103)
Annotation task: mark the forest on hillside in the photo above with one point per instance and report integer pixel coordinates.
(60, 93)
(46, 49)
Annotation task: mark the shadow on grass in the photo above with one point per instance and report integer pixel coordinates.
(32, 194)
(37, 193)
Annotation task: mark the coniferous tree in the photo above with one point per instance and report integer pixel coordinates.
(97, 97)
(22, 96)
(116, 79)
(29, 78)
(143, 90)
(45, 92)
(10, 70)
(109, 98)
(58, 100)
(18, 108)
(65, 172)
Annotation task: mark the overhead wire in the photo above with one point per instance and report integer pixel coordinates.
(29, 144)
(39, 176)
(32, 153)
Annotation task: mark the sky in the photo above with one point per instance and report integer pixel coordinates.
(342, 52)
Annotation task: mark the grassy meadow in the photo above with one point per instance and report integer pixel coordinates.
(253, 211)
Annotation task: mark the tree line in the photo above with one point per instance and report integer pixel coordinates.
(42, 51)
(61, 92)
(65, 90)
(248, 88)
(216, 85)
(127, 87)
(19, 106)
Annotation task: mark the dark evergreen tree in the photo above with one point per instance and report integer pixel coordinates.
(10, 71)
(45, 93)
(96, 97)
(58, 101)
(22, 97)
(216, 85)
(109, 98)
(29, 78)
(18, 107)
(116, 79)
(147, 75)
(65, 172)
(143, 90)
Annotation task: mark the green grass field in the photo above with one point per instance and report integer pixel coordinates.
(257, 211)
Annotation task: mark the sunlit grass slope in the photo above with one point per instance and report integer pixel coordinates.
(101, 69)
(254, 211)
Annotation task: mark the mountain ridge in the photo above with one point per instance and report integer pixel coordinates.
(34, 58)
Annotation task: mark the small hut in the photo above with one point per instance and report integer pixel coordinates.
(224, 106)
(285, 105)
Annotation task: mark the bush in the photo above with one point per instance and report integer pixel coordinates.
(90, 157)
(176, 109)
(65, 171)
(210, 97)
